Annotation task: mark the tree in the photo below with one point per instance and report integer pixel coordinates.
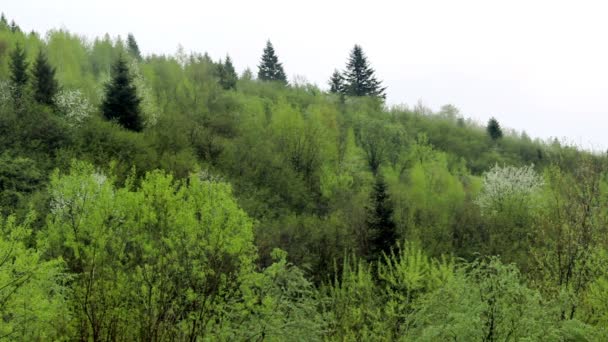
(336, 83)
(382, 228)
(14, 27)
(45, 85)
(270, 69)
(494, 130)
(121, 102)
(359, 76)
(227, 74)
(18, 68)
(3, 21)
(132, 47)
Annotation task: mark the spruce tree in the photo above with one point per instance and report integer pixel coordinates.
(3, 21)
(227, 74)
(359, 76)
(132, 47)
(381, 227)
(336, 83)
(121, 101)
(270, 69)
(18, 68)
(494, 130)
(44, 83)
(14, 27)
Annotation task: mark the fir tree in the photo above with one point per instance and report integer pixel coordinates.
(227, 74)
(494, 130)
(359, 76)
(3, 21)
(121, 102)
(45, 86)
(132, 47)
(336, 83)
(270, 69)
(381, 227)
(14, 27)
(18, 67)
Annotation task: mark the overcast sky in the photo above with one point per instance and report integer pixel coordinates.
(538, 66)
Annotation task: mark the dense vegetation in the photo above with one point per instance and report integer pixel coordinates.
(166, 198)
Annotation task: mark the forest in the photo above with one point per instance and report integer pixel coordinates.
(168, 198)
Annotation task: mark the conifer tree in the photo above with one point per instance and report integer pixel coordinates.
(381, 227)
(227, 74)
(18, 67)
(132, 47)
(494, 130)
(45, 86)
(14, 27)
(359, 76)
(121, 101)
(336, 83)
(3, 21)
(270, 69)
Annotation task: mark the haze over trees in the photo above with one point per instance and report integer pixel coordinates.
(165, 198)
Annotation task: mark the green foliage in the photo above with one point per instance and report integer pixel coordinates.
(359, 77)
(19, 75)
(336, 83)
(227, 74)
(121, 102)
(133, 48)
(270, 69)
(493, 129)
(44, 83)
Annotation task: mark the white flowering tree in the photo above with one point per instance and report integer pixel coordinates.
(505, 183)
(5, 93)
(73, 105)
(508, 203)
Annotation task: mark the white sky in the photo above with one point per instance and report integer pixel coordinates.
(539, 66)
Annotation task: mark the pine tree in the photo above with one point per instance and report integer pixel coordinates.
(45, 85)
(3, 21)
(121, 102)
(14, 27)
(494, 130)
(227, 74)
(336, 83)
(359, 76)
(18, 67)
(132, 47)
(381, 227)
(270, 69)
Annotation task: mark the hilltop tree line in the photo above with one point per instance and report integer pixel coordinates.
(166, 197)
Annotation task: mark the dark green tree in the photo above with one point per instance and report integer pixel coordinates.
(227, 74)
(381, 227)
(360, 79)
(494, 130)
(3, 21)
(132, 47)
(336, 83)
(44, 82)
(270, 69)
(121, 102)
(18, 67)
(14, 27)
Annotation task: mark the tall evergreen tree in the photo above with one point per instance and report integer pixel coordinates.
(381, 227)
(3, 21)
(14, 27)
(132, 47)
(228, 76)
(360, 79)
(336, 83)
(494, 130)
(18, 67)
(270, 69)
(121, 101)
(45, 84)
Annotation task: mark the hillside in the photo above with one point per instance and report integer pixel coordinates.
(239, 208)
